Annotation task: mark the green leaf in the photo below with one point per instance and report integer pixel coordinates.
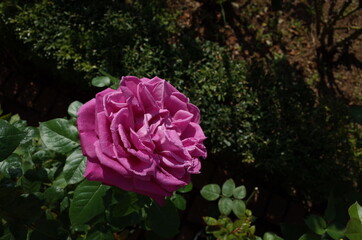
(186, 188)
(30, 186)
(211, 192)
(164, 221)
(60, 181)
(101, 81)
(239, 207)
(10, 138)
(64, 204)
(74, 167)
(53, 195)
(11, 166)
(355, 211)
(271, 236)
(309, 236)
(179, 201)
(73, 108)
(228, 188)
(210, 221)
(59, 135)
(354, 229)
(317, 224)
(225, 205)
(239, 192)
(87, 202)
(335, 231)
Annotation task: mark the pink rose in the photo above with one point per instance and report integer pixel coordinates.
(143, 137)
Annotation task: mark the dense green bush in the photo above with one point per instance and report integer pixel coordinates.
(88, 36)
(44, 195)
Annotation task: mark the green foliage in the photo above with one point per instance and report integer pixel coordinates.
(211, 192)
(102, 81)
(316, 224)
(43, 193)
(354, 226)
(332, 226)
(10, 138)
(88, 36)
(59, 135)
(87, 202)
(230, 200)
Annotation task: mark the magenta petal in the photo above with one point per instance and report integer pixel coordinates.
(181, 119)
(114, 102)
(96, 172)
(150, 188)
(86, 127)
(105, 136)
(193, 130)
(170, 182)
(175, 103)
(143, 137)
(139, 163)
(195, 112)
(100, 99)
(86, 116)
(146, 100)
(105, 161)
(129, 86)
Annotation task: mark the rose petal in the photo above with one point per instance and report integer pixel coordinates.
(105, 136)
(176, 102)
(96, 172)
(113, 103)
(193, 130)
(140, 163)
(146, 100)
(106, 161)
(86, 125)
(181, 119)
(129, 86)
(170, 182)
(143, 137)
(100, 99)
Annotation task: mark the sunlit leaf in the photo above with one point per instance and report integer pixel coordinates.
(211, 192)
(225, 205)
(238, 207)
(228, 188)
(74, 167)
(59, 135)
(179, 201)
(354, 229)
(101, 81)
(239, 192)
(87, 202)
(186, 188)
(316, 223)
(73, 108)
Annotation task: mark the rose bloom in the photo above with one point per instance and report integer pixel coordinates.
(143, 137)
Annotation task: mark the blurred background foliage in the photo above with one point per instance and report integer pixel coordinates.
(268, 98)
